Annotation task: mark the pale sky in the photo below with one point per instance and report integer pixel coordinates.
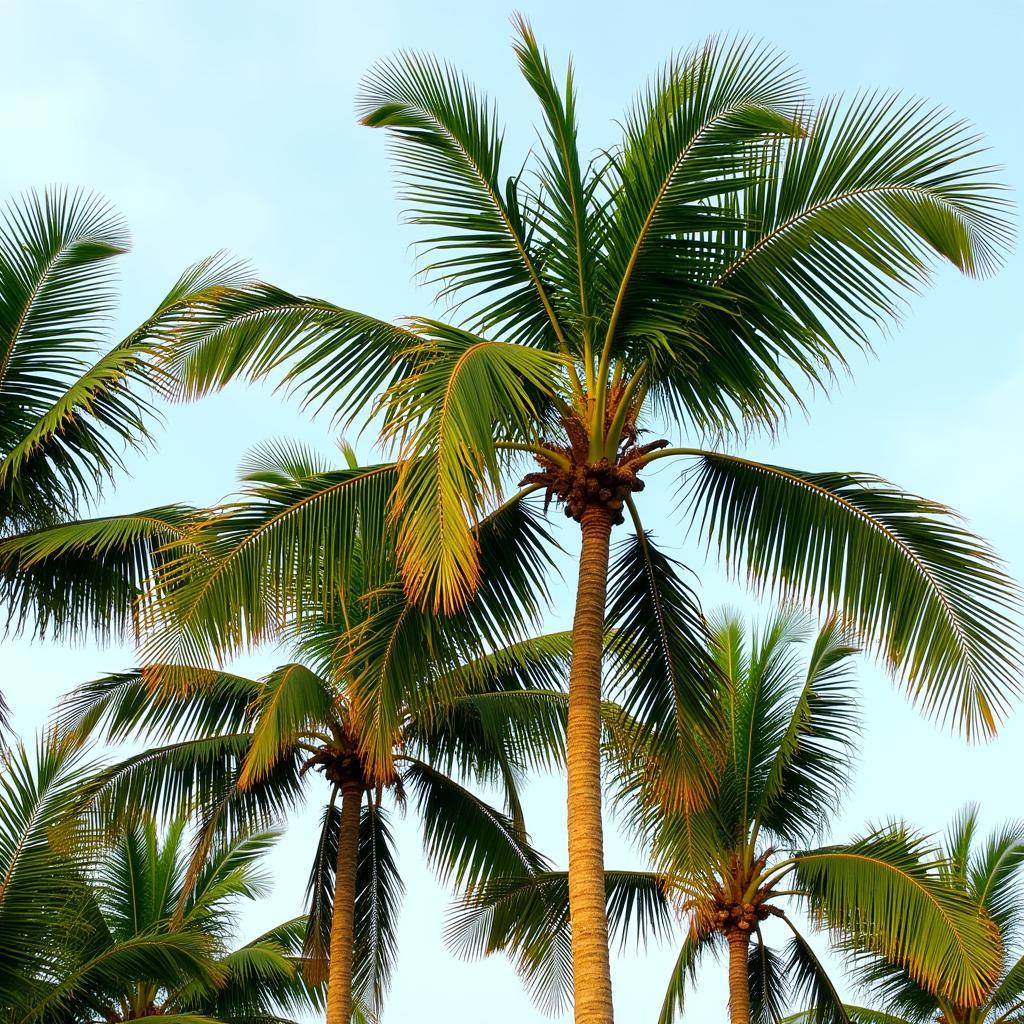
(229, 125)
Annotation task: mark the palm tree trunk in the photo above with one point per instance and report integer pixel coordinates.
(592, 983)
(739, 979)
(339, 977)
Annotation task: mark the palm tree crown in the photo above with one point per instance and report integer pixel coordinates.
(133, 929)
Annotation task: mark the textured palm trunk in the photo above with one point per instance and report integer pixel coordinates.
(739, 980)
(339, 978)
(592, 983)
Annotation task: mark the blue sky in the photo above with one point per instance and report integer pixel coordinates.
(230, 126)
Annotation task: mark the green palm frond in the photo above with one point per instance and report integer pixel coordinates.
(810, 984)
(767, 982)
(855, 1014)
(448, 147)
(379, 891)
(994, 879)
(465, 839)
(198, 775)
(919, 588)
(884, 893)
(567, 225)
(336, 359)
(122, 705)
(661, 665)
(86, 575)
(42, 857)
(688, 146)
(462, 392)
(55, 283)
(811, 766)
(168, 958)
(253, 566)
(838, 225)
(316, 947)
(1008, 995)
(399, 655)
(292, 703)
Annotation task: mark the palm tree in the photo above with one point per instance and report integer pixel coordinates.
(739, 862)
(729, 250)
(239, 749)
(71, 404)
(150, 937)
(987, 873)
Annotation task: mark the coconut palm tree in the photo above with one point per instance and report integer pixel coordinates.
(241, 749)
(97, 932)
(740, 862)
(150, 939)
(986, 872)
(730, 250)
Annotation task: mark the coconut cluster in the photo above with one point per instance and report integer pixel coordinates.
(586, 484)
(743, 916)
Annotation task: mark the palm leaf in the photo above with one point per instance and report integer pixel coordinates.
(466, 840)
(838, 225)
(294, 701)
(660, 662)
(884, 894)
(564, 217)
(254, 566)
(336, 359)
(86, 575)
(379, 892)
(918, 587)
(445, 414)
(767, 983)
(684, 973)
(810, 983)
(448, 148)
(527, 917)
(42, 858)
(811, 767)
(687, 146)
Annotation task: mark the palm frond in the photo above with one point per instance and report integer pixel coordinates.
(527, 917)
(767, 983)
(336, 359)
(565, 219)
(448, 149)
(462, 393)
(293, 702)
(123, 705)
(42, 857)
(838, 225)
(811, 766)
(287, 550)
(661, 663)
(86, 576)
(810, 984)
(688, 144)
(379, 891)
(466, 840)
(55, 283)
(684, 973)
(884, 894)
(920, 589)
